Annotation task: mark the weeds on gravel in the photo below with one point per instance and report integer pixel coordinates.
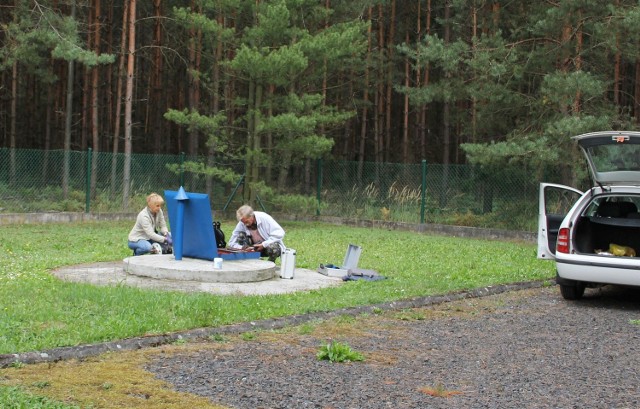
(338, 352)
(438, 391)
(39, 312)
(248, 336)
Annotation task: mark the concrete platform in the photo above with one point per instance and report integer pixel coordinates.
(166, 267)
(114, 274)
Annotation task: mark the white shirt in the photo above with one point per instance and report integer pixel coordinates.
(268, 228)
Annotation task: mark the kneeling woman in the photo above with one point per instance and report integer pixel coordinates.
(150, 227)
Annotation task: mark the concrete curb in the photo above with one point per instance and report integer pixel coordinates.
(441, 229)
(90, 350)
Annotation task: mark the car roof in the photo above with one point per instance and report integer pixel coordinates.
(613, 156)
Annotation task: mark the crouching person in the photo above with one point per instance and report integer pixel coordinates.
(257, 230)
(150, 229)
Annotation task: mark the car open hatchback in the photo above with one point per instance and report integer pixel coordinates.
(594, 236)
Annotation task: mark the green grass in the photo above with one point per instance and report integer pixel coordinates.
(16, 398)
(38, 311)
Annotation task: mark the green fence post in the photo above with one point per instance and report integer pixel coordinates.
(423, 200)
(87, 195)
(181, 169)
(232, 195)
(319, 187)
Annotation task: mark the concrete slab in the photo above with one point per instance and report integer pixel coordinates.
(166, 267)
(114, 274)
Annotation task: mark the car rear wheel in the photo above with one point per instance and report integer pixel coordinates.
(573, 291)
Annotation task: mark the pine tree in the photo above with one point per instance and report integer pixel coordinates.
(277, 68)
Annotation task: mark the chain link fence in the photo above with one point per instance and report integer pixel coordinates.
(75, 181)
(454, 194)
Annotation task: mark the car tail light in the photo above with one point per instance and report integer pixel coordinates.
(562, 245)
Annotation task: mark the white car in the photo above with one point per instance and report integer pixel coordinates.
(594, 236)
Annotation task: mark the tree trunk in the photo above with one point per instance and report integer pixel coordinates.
(194, 81)
(128, 105)
(86, 90)
(68, 118)
(106, 116)
(565, 58)
(349, 142)
(365, 101)
(390, 47)
(566, 61)
(118, 110)
(95, 135)
(474, 102)
(405, 113)
(578, 66)
(156, 81)
(380, 80)
(423, 81)
(617, 67)
(215, 106)
(12, 127)
(250, 157)
(446, 126)
(269, 134)
(327, 6)
(636, 93)
(47, 132)
(254, 144)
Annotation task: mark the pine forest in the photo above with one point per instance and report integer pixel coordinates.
(285, 82)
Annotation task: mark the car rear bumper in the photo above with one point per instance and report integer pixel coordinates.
(600, 269)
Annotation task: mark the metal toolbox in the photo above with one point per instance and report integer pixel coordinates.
(351, 259)
(287, 263)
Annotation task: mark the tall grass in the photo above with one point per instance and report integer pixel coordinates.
(38, 311)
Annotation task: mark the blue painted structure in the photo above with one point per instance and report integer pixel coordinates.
(192, 227)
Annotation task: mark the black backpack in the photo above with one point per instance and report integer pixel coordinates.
(220, 241)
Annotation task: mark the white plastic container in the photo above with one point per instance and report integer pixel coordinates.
(217, 263)
(287, 263)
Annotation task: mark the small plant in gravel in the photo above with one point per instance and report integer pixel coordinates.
(41, 384)
(634, 322)
(248, 336)
(338, 352)
(306, 329)
(411, 315)
(179, 341)
(217, 338)
(438, 391)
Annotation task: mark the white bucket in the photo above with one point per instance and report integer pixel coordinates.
(217, 263)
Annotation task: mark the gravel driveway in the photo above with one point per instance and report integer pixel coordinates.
(521, 349)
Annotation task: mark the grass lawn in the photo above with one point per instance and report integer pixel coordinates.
(38, 311)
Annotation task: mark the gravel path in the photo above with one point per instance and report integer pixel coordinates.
(521, 349)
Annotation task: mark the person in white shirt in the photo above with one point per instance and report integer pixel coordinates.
(258, 230)
(150, 227)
